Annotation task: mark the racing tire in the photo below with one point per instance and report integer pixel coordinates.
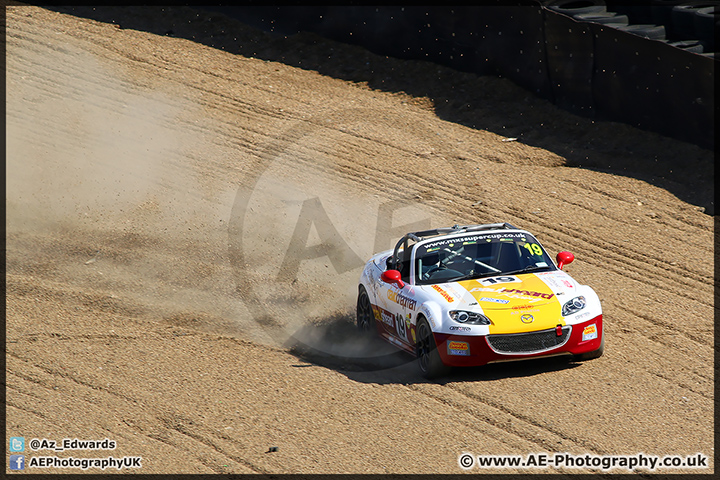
(575, 7)
(653, 32)
(692, 46)
(706, 25)
(683, 18)
(594, 354)
(603, 18)
(429, 361)
(364, 313)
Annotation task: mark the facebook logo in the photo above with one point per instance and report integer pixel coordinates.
(17, 462)
(17, 444)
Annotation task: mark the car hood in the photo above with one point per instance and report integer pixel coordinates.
(515, 303)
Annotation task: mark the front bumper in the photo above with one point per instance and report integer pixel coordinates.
(471, 351)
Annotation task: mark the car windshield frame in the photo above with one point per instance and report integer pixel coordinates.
(476, 255)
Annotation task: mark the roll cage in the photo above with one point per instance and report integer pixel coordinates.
(400, 258)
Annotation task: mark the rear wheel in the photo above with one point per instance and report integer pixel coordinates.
(429, 360)
(365, 316)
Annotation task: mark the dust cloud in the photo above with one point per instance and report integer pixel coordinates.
(112, 190)
(104, 192)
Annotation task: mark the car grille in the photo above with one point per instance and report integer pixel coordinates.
(529, 342)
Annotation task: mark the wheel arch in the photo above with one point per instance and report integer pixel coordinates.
(432, 313)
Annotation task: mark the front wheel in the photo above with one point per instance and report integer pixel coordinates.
(365, 315)
(429, 360)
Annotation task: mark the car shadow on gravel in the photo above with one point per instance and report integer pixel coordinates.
(336, 344)
(479, 102)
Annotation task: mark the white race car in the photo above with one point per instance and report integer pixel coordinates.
(475, 294)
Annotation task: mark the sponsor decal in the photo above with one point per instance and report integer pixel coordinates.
(583, 316)
(494, 300)
(401, 299)
(521, 307)
(589, 332)
(428, 314)
(368, 271)
(458, 348)
(387, 318)
(444, 294)
(556, 279)
(527, 318)
(529, 293)
(474, 239)
(525, 311)
(483, 289)
(461, 329)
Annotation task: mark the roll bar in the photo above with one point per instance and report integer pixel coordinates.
(435, 232)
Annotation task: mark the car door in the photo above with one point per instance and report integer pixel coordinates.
(406, 305)
(395, 305)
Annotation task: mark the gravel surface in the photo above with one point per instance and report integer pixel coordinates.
(162, 165)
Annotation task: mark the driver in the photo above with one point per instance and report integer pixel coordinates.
(430, 262)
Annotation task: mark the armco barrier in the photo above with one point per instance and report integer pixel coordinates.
(588, 68)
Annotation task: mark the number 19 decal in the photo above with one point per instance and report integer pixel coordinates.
(534, 249)
(494, 280)
(400, 326)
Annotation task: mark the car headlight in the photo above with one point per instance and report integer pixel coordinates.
(573, 306)
(461, 316)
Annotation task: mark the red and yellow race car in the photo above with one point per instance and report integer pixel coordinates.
(475, 294)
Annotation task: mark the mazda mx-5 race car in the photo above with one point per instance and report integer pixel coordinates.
(475, 294)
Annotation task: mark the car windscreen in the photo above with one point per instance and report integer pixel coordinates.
(478, 255)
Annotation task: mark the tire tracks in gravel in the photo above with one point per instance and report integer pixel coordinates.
(603, 256)
(639, 258)
(172, 422)
(633, 263)
(346, 164)
(533, 430)
(408, 184)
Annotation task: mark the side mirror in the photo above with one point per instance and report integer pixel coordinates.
(563, 258)
(392, 276)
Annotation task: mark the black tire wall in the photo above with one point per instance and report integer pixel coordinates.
(588, 68)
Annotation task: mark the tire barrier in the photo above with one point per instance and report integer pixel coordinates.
(693, 46)
(684, 18)
(653, 32)
(644, 64)
(706, 26)
(577, 7)
(606, 18)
